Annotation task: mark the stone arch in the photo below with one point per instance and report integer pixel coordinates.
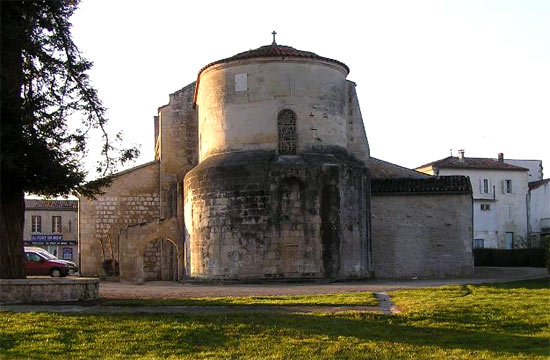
(160, 260)
(287, 134)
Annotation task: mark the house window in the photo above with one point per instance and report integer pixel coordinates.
(510, 212)
(485, 207)
(56, 224)
(508, 186)
(286, 122)
(36, 224)
(485, 186)
(509, 239)
(479, 243)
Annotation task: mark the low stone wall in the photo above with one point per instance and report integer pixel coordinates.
(48, 290)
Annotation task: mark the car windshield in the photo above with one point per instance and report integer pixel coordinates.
(47, 255)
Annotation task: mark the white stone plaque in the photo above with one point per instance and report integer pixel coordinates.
(241, 82)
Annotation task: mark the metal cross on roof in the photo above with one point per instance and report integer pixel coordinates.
(274, 33)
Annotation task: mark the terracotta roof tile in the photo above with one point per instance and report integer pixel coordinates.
(454, 162)
(268, 51)
(382, 169)
(432, 185)
(274, 50)
(39, 204)
(536, 184)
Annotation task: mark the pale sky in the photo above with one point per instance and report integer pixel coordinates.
(431, 75)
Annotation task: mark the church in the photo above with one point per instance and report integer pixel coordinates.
(263, 172)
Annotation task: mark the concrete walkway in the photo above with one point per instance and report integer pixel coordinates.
(173, 290)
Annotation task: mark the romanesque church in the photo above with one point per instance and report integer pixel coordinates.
(262, 172)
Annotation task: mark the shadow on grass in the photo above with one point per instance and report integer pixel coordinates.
(154, 335)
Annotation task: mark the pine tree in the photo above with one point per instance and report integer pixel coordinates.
(44, 83)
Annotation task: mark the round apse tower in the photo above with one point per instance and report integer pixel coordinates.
(276, 193)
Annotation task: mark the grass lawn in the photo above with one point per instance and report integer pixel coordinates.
(364, 298)
(495, 321)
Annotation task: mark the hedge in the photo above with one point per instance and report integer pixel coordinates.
(512, 257)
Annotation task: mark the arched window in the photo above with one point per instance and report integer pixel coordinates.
(286, 122)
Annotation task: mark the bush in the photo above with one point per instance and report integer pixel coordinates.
(513, 257)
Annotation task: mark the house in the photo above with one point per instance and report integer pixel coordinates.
(52, 225)
(499, 190)
(538, 207)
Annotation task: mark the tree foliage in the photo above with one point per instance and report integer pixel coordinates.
(47, 155)
(44, 85)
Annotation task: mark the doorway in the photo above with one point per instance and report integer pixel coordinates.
(509, 240)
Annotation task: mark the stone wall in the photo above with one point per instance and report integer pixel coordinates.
(239, 119)
(256, 215)
(159, 261)
(48, 290)
(358, 144)
(132, 198)
(177, 145)
(422, 235)
(143, 245)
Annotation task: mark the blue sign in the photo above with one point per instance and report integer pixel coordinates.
(49, 238)
(67, 253)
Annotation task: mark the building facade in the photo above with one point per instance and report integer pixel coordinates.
(52, 225)
(538, 206)
(499, 192)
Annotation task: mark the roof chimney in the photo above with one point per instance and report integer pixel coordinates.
(500, 157)
(461, 155)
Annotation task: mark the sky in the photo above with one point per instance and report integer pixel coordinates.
(432, 76)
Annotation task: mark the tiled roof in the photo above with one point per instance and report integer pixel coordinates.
(38, 204)
(380, 169)
(431, 185)
(472, 163)
(536, 184)
(274, 50)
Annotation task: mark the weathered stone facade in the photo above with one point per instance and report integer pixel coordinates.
(13, 291)
(255, 215)
(422, 235)
(281, 190)
(132, 198)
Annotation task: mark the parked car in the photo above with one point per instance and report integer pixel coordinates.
(41, 262)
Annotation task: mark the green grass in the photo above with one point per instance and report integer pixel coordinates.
(497, 321)
(347, 299)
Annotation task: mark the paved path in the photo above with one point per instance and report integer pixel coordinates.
(233, 309)
(172, 290)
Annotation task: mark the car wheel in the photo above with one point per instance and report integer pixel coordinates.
(55, 272)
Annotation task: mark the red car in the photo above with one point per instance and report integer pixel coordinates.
(42, 263)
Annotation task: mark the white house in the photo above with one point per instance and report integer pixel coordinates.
(499, 192)
(534, 167)
(538, 201)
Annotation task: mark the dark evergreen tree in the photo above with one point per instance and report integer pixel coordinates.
(44, 83)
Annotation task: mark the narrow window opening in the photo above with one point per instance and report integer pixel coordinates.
(485, 207)
(286, 121)
(508, 186)
(485, 186)
(36, 224)
(56, 224)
